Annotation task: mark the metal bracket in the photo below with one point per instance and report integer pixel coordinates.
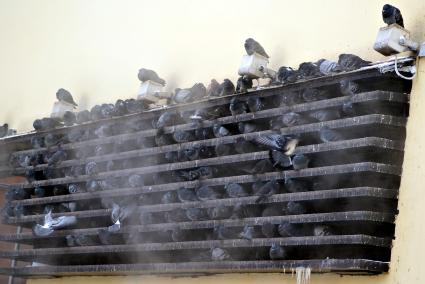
(422, 50)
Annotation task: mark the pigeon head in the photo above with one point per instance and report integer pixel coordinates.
(387, 10)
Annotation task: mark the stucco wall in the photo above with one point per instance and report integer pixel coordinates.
(94, 49)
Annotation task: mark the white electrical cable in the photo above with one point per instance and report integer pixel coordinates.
(398, 73)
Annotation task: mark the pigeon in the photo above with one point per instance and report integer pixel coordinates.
(196, 92)
(149, 75)
(220, 131)
(392, 15)
(241, 211)
(19, 211)
(295, 185)
(222, 150)
(96, 113)
(136, 180)
(104, 131)
(134, 106)
(92, 169)
(4, 130)
(308, 70)
(167, 118)
(350, 62)
(51, 224)
(325, 114)
(248, 233)
(243, 84)
(300, 161)
(65, 96)
(51, 139)
(247, 127)
(106, 237)
(57, 157)
(348, 107)
(75, 188)
(243, 146)
(287, 229)
(278, 142)
(273, 210)
(286, 75)
(196, 153)
(348, 88)
(36, 142)
(219, 254)
(46, 123)
(267, 189)
(255, 104)
(277, 252)
(292, 119)
(70, 241)
(236, 190)
(312, 94)
(77, 134)
(178, 235)
(269, 230)
(226, 88)
(226, 233)
(162, 139)
(40, 192)
(276, 123)
(18, 194)
(174, 157)
(186, 195)
(289, 99)
(237, 106)
(329, 135)
(220, 212)
(295, 208)
(83, 116)
(323, 230)
(197, 173)
(182, 136)
(93, 185)
(213, 89)
(107, 110)
(279, 159)
(197, 214)
(120, 108)
(252, 46)
(328, 67)
(169, 197)
(176, 215)
(84, 240)
(122, 213)
(257, 167)
(69, 118)
(206, 192)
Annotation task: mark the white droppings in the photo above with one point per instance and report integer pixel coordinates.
(303, 275)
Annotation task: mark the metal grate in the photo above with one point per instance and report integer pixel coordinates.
(352, 187)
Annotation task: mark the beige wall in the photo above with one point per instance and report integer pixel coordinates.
(94, 49)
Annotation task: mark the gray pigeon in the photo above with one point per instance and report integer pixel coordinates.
(65, 96)
(149, 75)
(3, 130)
(392, 15)
(252, 46)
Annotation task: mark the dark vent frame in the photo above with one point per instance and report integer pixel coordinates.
(368, 179)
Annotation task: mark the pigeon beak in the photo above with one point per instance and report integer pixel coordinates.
(290, 147)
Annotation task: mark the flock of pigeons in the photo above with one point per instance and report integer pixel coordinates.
(47, 162)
